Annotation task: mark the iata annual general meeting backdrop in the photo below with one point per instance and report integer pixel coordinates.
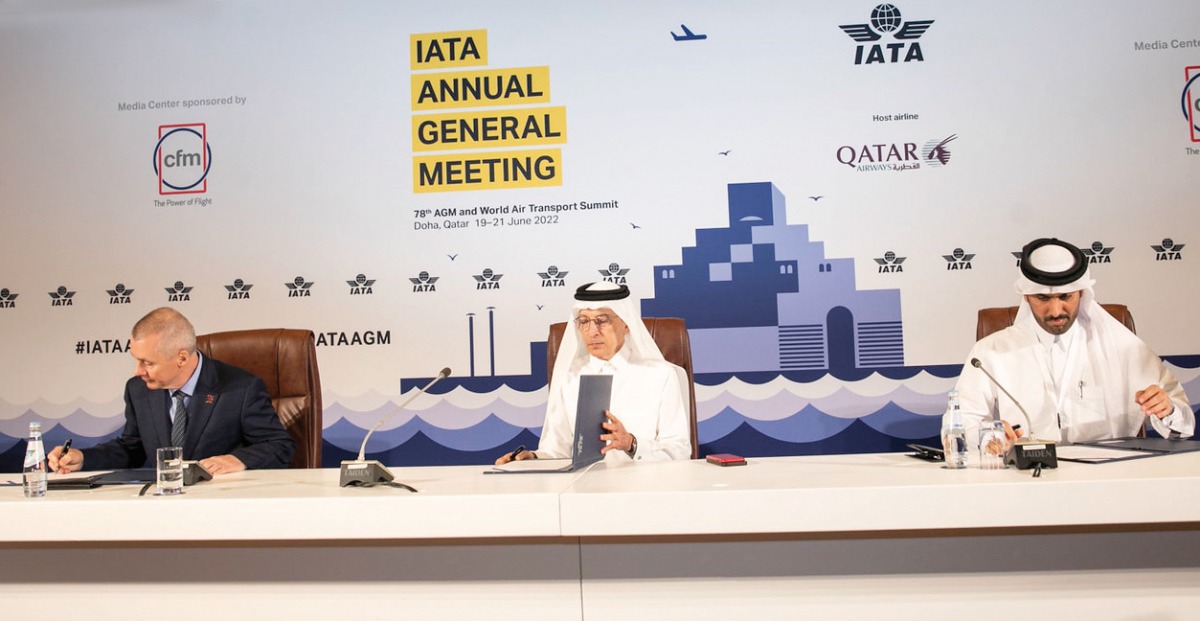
(826, 191)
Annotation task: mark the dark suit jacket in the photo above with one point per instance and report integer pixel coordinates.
(230, 412)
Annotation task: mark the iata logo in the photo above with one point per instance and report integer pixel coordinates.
(361, 285)
(1168, 251)
(298, 288)
(958, 260)
(614, 274)
(119, 294)
(61, 297)
(488, 280)
(178, 292)
(1098, 253)
(239, 290)
(552, 277)
(182, 159)
(885, 20)
(7, 299)
(890, 263)
(424, 283)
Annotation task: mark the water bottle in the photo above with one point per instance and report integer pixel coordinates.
(954, 436)
(35, 463)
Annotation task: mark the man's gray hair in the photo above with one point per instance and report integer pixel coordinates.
(174, 330)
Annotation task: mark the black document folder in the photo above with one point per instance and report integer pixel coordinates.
(595, 395)
(138, 476)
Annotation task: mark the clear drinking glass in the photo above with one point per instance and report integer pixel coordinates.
(170, 470)
(993, 446)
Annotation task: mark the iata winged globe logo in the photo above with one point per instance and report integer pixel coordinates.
(886, 20)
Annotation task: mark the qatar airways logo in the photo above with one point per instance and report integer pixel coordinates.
(182, 159)
(896, 156)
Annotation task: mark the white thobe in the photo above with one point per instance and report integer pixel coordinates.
(1092, 395)
(646, 397)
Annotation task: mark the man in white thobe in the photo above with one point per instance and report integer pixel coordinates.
(1080, 374)
(648, 415)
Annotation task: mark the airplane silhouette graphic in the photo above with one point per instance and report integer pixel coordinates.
(688, 35)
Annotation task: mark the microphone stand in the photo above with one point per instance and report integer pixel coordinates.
(369, 472)
(1026, 452)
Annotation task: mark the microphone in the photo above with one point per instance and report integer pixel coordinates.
(1026, 452)
(366, 472)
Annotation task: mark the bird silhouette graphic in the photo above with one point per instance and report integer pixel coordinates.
(816, 198)
(634, 225)
(725, 152)
(452, 256)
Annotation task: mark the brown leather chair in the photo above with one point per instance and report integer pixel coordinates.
(671, 335)
(286, 360)
(996, 319)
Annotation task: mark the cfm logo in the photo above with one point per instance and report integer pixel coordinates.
(182, 159)
(1190, 101)
(885, 20)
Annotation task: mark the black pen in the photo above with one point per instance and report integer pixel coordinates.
(513, 455)
(66, 448)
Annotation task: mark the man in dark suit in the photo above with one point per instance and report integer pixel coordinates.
(220, 415)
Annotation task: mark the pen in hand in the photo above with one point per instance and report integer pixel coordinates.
(513, 455)
(66, 448)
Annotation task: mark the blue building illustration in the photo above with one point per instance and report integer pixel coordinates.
(760, 296)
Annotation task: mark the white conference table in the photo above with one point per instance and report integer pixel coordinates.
(873, 536)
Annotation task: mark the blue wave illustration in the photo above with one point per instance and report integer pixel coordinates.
(444, 415)
(491, 432)
(782, 422)
(79, 423)
(805, 377)
(896, 422)
(857, 437)
(807, 425)
(420, 450)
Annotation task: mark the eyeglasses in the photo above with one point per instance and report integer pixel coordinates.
(585, 323)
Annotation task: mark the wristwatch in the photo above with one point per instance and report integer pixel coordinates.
(632, 446)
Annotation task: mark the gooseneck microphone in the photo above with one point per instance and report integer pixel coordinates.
(1026, 452)
(979, 365)
(366, 472)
